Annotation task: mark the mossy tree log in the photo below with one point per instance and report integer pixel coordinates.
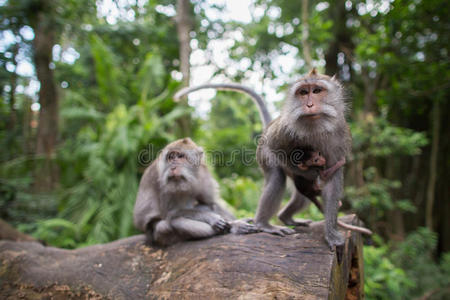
(256, 266)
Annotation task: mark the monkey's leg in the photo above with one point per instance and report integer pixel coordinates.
(295, 204)
(192, 229)
(274, 186)
(164, 235)
(331, 194)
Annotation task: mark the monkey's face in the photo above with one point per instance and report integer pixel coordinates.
(310, 99)
(316, 160)
(315, 101)
(179, 164)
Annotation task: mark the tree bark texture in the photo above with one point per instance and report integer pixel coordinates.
(305, 35)
(436, 124)
(341, 37)
(184, 26)
(47, 135)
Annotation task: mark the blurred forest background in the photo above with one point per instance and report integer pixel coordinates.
(86, 103)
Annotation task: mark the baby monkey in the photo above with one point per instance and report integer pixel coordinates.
(312, 159)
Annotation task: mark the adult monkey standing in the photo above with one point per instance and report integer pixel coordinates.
(313, 115)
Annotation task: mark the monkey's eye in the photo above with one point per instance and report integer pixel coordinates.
(317, 90)
(173, 155)
(319, 153)
(301, 92)
(180, 155)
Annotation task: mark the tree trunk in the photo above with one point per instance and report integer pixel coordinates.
(28, 140)
(341, 37)
(370, 88)
(305, 35)
(47, 135)
(442, 190)
(184, 26)
(254, 266)
(436, 124)
(12, 94)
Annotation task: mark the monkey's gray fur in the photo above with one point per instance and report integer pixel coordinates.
(318, 123)
(172, 207)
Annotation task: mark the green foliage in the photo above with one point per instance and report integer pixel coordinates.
(241, 192)
(376, 137)
(107, 74)
(409, 271)
(58, 232)
(230, 135)
(373, 200)
(309, 213)
(416, 255)
(382, 278)
(17, 201)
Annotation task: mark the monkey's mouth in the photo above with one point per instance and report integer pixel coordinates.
(176, 177)
(312, 116)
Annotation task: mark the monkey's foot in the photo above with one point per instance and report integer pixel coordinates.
(294, 222)
(277, 230)
(334, 239)
(242, 227)
(221, 226)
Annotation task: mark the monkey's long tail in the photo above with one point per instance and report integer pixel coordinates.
(355, 228)
(359, 229)
(259, 101)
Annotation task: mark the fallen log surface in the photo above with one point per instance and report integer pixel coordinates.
(256, 266)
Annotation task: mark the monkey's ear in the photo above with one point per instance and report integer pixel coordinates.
(302, 166)
(313, 72)
(333, 77)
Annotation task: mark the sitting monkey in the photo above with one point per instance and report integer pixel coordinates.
(177, 199)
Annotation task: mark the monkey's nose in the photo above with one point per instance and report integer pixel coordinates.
(310, 104)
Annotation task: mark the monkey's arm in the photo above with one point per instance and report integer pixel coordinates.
(326, 174)
(207, 187)
(146, 209)
(147, 213)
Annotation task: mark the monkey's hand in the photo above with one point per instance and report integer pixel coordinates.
(243, 227)
(277, 230)
(220, 225)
